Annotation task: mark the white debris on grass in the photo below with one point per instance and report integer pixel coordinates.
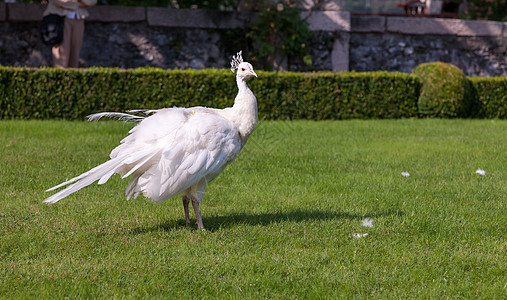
(481, 172)
(367, 222)
(358, 235)
(405, 174)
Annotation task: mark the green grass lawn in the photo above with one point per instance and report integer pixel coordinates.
(281, 220)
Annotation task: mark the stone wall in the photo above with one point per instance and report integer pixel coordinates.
(400, 44)
(130, 37)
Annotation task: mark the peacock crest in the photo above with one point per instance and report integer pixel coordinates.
(236, 60)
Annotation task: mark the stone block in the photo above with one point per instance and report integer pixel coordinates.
(120, 14)
(340, 53)
(327, 20)
(439, 26)
(365, 23)
(474, 28)
(25, 12)
(329, 5)
(434, 7)
(333, 5)
(3, 15)
(193, 18)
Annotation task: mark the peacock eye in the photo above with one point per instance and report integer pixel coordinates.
(242, 69)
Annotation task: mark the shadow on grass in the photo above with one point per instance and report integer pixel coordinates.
(213, 223)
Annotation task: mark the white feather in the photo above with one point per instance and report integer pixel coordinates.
(114, 115)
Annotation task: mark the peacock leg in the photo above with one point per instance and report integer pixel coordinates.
(195, 204)
(186, 201)
(197, 193)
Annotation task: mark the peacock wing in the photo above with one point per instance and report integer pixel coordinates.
(199, 147)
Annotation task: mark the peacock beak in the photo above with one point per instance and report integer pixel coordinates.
(253, 73)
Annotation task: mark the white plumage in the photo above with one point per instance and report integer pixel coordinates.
(176, 150)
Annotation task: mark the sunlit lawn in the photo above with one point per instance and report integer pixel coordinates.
(283, 221)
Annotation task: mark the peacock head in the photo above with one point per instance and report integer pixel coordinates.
(245, 69)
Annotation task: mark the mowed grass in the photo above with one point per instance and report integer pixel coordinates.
(281, 220)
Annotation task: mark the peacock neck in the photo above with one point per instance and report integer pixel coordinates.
(245, 109)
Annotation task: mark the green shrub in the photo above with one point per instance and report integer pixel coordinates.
(446, 91)
(327, 95)
(48, 93)
(492, 96)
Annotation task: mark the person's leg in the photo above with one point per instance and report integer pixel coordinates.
(61, 51)
(76, 43)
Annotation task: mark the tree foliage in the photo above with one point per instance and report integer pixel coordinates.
(494, 10)
(278, 32)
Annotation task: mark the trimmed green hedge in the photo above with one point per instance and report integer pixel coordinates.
(491, 93)
(320, 96)
(48, 93)
(446, 91)
(440, 90)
